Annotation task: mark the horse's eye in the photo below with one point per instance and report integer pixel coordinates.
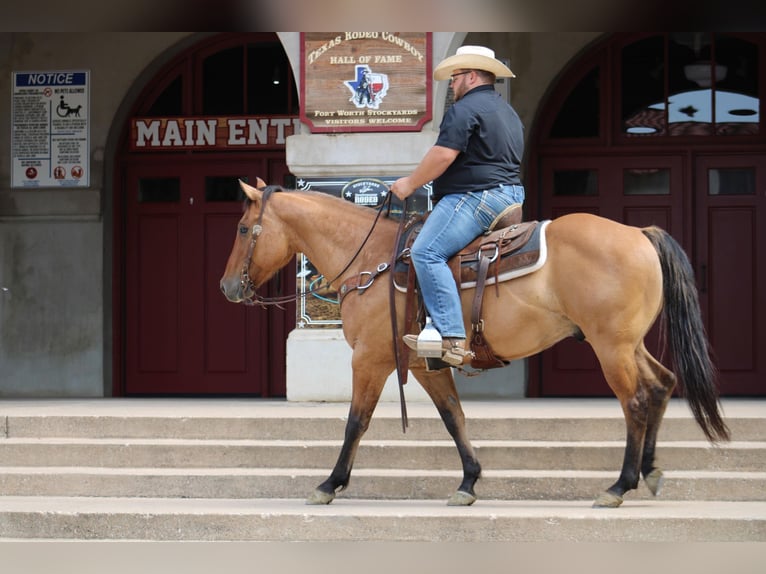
(243, 229)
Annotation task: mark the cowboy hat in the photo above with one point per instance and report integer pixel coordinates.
(472, 58)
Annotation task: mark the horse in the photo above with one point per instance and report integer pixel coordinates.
(603, 281)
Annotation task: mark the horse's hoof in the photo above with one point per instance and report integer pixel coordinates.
(654, 481)
(461, 498)
(319, 497)
(608, 500)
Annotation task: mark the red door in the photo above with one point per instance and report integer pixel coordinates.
(181, 335)
(731, 265)
(639, 191)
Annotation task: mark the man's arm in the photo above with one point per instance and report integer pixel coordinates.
(434, 163)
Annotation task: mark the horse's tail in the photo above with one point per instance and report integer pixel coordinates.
(686, 337)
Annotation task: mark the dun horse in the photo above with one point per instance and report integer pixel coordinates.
(604, 281)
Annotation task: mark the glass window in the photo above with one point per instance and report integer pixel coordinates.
(643, 87)
(646, 181)
(268, 85)
(575, 182)
(731, 181)
(159, 190)
(170, 101)
(579, 115)
(224, 188)
(736, 103)
(223, 82)
(690, 77)
(247, 75)
(696, 84)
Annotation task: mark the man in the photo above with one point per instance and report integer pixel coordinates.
(474, 166)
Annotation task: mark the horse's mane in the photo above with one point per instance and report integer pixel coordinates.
(341, 203)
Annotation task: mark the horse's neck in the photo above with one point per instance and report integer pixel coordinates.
(330, 232)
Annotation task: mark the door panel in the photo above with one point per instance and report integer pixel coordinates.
(731, 264)
(182, 336)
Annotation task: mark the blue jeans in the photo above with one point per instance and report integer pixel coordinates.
(456, 220)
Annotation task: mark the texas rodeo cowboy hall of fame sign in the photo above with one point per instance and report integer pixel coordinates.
(365, 81)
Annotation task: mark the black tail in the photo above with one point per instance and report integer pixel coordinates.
(686, 336)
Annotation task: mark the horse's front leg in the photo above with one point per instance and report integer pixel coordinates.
(440, 386)
(368, 383)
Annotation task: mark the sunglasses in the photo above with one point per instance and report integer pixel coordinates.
(453, 76)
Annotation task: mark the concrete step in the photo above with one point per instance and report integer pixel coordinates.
(381, 428)
(405, 454)
(240, 470)
(229, 419)
(278, 519)
(369, 483)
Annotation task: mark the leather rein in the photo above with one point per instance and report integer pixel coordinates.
(401, 352)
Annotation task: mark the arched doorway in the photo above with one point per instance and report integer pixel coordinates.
(666, 129)
(217, 113)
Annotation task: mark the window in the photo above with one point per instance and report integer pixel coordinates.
(579, 115)
(575, 182)
(672, 84)
(159, 190)
(231, 74)
(731, 181)
(690, 84)
(646, 181)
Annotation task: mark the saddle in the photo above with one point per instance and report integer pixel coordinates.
(510, 249)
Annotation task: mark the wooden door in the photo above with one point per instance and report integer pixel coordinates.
(638, 191)
(181, 335)
(731, 264)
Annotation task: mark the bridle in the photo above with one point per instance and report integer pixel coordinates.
(247, 286)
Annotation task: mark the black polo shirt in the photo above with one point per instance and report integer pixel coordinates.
(490, 136)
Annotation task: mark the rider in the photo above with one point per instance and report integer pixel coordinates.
(474, 165)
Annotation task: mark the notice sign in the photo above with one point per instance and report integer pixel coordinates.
(365, 81)
(50, 129)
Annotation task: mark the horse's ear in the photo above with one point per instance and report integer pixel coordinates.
(259, 183)
(250, 191)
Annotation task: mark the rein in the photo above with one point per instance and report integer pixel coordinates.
(244, 277)
(401, 353)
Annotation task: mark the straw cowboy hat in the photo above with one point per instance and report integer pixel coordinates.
(472, 58)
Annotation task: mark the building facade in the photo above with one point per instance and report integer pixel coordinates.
(109, 268)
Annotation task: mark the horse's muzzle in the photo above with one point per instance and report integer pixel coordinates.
(232, 289)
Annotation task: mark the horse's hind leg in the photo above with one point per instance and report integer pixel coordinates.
(367, 386)
(440, 386)
(660, 383)
(621, 372)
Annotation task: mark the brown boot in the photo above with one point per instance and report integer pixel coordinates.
(454, 352)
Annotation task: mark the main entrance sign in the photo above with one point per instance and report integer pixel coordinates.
(211, 133)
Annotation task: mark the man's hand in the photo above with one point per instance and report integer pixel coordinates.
(403, 188)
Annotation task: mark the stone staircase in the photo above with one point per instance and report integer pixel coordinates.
(140, 469)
